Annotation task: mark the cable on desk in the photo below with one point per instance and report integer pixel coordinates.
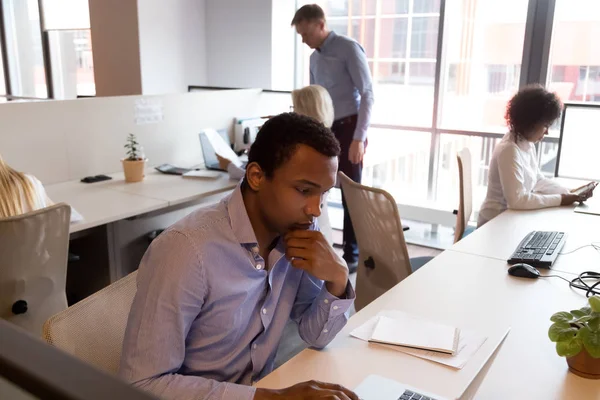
(581, 284)
(595, 245)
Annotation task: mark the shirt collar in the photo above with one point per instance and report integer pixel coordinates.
(240, 222)
(523, 144)
(327, 41)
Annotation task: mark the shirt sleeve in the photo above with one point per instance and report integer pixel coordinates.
(235, 172)
(170, 294)
(512, 179)
(361, 77)
(319, 314)
(548, 186)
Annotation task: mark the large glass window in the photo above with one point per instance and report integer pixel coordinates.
(67, 24)
(72, 63)
(483, 51)
(574, 67)
(400, 41)
(24, 48)
(2, 81)
(480, 68)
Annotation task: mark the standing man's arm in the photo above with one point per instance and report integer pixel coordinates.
(361, 77)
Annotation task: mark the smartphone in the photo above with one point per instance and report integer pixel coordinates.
(585, 188)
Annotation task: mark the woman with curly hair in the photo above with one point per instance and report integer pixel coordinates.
(515, 180)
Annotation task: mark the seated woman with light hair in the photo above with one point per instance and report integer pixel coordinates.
(313, 101)
(22, 193)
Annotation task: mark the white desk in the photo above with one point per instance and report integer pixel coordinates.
(99, 206)
(159, 201)
(109, 201)
(500, 237)
(171, 188)
(470, 292)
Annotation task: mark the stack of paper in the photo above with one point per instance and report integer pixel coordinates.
(465, 343)
(409, 332)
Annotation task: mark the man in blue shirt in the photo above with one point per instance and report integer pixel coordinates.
(339, 64)
(216, 289)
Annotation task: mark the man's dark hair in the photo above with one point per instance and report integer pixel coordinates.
(279, 137)
(531, 106)
(309, 12)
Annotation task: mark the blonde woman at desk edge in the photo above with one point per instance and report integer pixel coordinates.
(515, 180)
(22, 193)
(313, 101)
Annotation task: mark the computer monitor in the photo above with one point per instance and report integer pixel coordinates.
(579, 142)
(32, 369)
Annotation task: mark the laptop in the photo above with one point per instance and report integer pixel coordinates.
(210, 138)
(591, 206)
(376, 387)
(208, 152)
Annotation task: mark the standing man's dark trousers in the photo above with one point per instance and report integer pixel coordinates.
(344, 132)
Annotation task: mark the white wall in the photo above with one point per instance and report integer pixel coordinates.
(172, 45)
(282, 45)
(70, 139)
(238, 43)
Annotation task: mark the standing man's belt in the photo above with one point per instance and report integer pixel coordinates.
(346, 120)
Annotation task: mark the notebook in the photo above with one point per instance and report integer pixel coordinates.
(416, 333)
(202, 174)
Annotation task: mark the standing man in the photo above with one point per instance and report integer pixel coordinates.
(339, 64)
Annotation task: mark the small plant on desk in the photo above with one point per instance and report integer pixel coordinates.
(134, 164)
(577, 337)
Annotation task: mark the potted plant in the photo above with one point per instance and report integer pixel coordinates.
(577, 337)
(134, 164)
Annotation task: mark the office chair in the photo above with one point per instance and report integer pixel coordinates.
(93, 329)
(383, 256)
(33, 266)
(465, 205)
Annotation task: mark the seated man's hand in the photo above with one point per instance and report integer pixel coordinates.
(223, 162)
(310, 251)
(307, 390)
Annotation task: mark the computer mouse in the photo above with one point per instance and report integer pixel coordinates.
(524, 271)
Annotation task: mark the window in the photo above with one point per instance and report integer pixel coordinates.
(2, 83)
(424, 37)
(62, 47)
(72, 63)
(481, 70)
(574, 66)
(27, 73)
(70, 47)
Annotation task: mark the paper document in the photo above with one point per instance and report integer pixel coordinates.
(421, 334)
(202, 174)
(468, 344)
(75, 216)
(221, 147)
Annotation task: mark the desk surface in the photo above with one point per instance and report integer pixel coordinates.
(100, 206)
(104, 202)
(500, 237)
(481, 297)
(171, 188)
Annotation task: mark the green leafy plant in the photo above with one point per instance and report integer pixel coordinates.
(573, 331)
(133, 148)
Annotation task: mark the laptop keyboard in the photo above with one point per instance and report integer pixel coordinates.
(408, 395)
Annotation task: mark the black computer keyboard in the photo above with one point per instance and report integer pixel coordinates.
(539, 249)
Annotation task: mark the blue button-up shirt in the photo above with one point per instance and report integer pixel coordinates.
(340, 66)
(209, 312)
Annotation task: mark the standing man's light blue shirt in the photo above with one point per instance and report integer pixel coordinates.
(340, 66)
(209, 311)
